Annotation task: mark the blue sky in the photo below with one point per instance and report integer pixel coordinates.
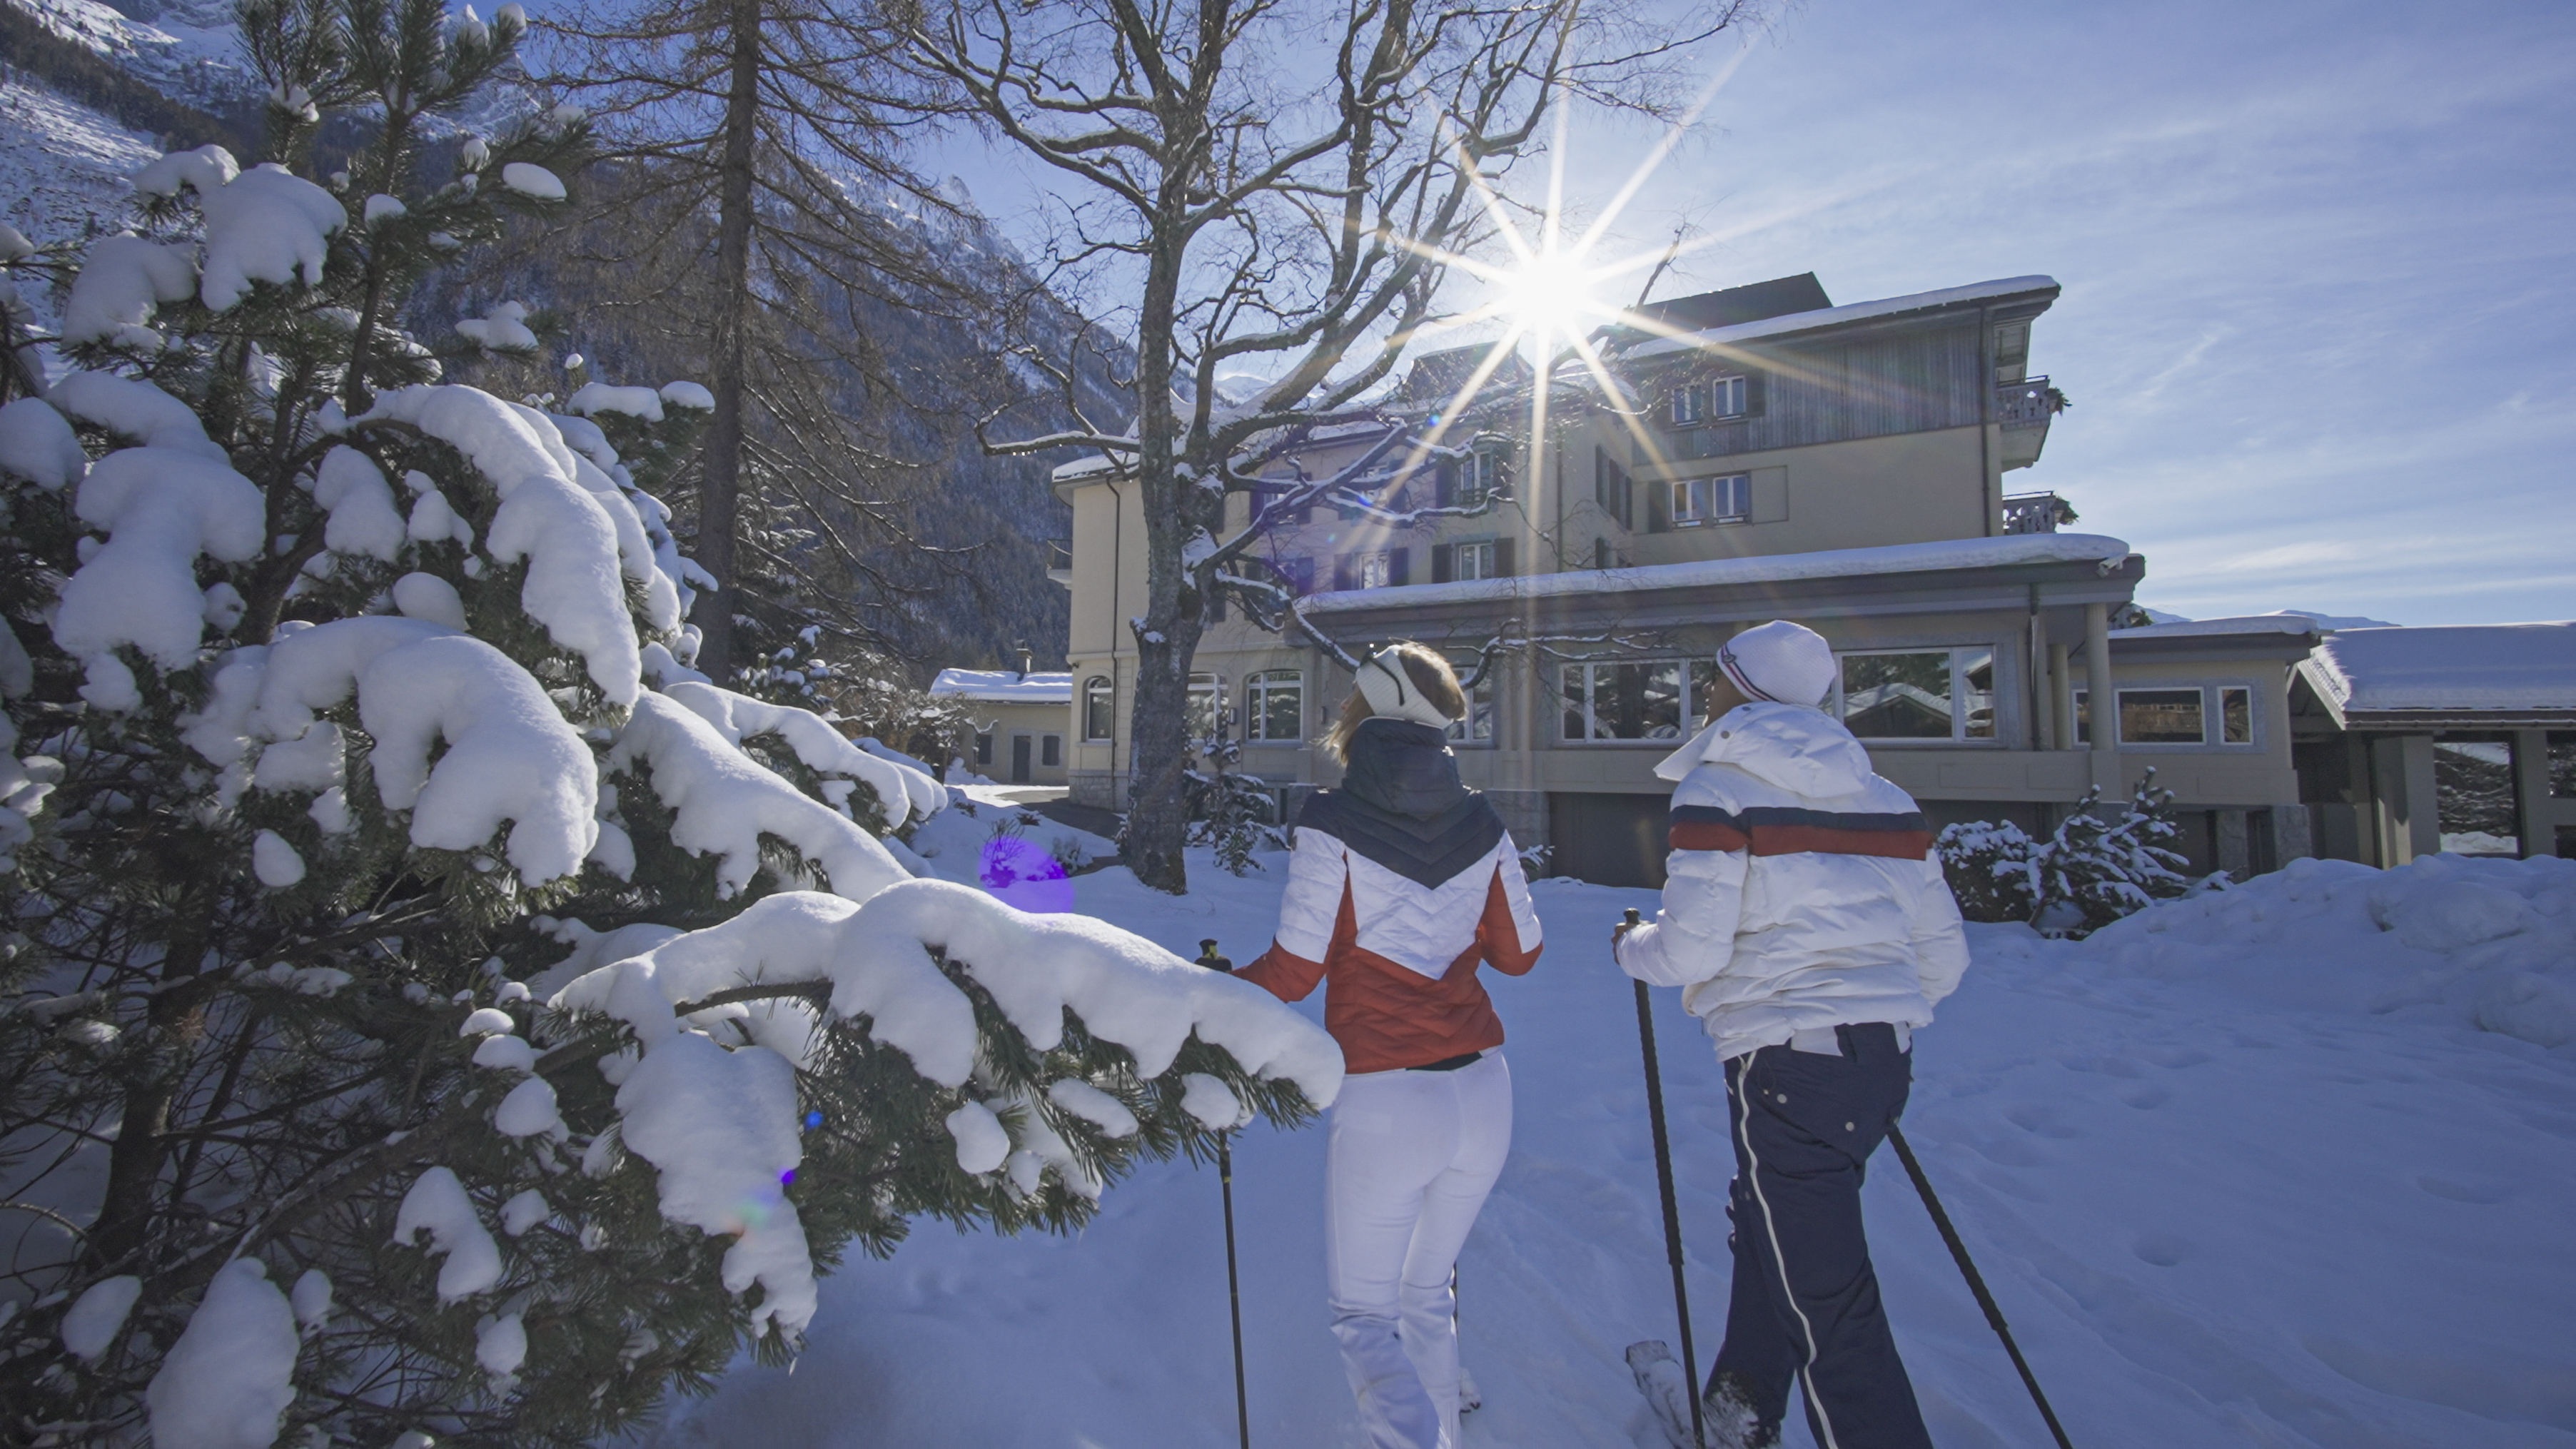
(2317, 324)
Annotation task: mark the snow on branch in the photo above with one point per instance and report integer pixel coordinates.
(721, 1126)
(726, 802)
(903, 791)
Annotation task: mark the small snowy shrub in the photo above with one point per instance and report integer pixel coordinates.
(1229, 812)
(428, 1007)
(2090, 872)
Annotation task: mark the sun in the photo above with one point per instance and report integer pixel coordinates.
(1550, 295)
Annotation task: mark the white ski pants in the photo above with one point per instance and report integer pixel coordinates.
(1408, 1160)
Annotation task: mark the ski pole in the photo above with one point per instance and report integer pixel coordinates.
(1976, 1281)
(1664, 1181)
(1233, 1291)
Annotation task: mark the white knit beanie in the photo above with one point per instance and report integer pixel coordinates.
(1780, 661)
(1392, 694)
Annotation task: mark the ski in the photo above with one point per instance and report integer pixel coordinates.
(1666, 1387)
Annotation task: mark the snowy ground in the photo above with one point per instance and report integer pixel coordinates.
(2251, 1178)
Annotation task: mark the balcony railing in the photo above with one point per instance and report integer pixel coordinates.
(2036, 512)
(1059, 556)
(2029, 403)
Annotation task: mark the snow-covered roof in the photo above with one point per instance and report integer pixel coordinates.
(1900, 558)
(2453, 668)
(1840, 316)
(1002, 686)
(2203, 628)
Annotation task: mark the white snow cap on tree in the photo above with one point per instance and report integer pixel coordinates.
(262, 225)
(123, 284)
(726, 803)
(904, 791)
(37, 444)
(505, 329)
(227, 1381)
(361, 503)
(92, 1323)
(437, 1205)
(162, 509)
(133, 409)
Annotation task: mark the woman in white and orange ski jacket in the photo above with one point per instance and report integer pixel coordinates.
(1402, 884)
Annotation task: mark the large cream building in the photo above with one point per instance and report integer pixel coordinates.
(1777, 457)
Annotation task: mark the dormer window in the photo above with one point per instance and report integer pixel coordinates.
(1708, 401)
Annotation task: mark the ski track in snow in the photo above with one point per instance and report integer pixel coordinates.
(2210, 1220)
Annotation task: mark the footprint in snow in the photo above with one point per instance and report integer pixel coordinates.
(2163, 1250)
(2175, 1056)
(2146, 1099)
(2480, 1193)
(2041, 1122)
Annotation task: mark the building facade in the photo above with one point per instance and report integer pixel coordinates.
(1020, 723)
(1759, 453)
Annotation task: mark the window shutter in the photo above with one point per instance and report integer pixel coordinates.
(1659, 507)
(1341, 572)
(1444, 485)
(1753, 394)
(1395, 569)
(1443, 565)
(1216, 605)
(1503, 549)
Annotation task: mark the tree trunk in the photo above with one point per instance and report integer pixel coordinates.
(720, 472)
(1158, 729)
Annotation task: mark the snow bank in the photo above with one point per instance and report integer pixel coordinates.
(906, 791)
(726, 802)
(2482, 942)
(227, 1381)
(721, 1128)
(161, 509)
(123, 283)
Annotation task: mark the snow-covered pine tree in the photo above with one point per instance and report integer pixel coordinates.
(428, 1008)
(1230, 812)
(2092, 870)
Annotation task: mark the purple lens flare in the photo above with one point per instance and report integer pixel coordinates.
(1022, 875)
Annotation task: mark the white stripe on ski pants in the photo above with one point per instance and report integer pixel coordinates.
(1408, 1160)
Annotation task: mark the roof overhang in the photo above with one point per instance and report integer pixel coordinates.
(2019, 574)
(2003, 299)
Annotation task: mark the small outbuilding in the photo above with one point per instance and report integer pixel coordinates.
(2458, 738)
(1020, 721)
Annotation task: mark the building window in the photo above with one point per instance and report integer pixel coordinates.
(1711, 500)
(1051, 750)
(1275, 705)
(1925, 694)
(2562, 764)
(984, 748)
(2473, 794)
(2176, 714)
(1206, 691)
(1611, 490)
(1475, 560)
(1701, 402)
(1477, 728)
(1373, 570)
(1479, 475)
(1644, 700)
(1099, 705)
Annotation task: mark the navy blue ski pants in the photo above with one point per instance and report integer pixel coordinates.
(1805, 1304)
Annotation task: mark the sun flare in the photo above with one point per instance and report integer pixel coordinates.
(1550, 296)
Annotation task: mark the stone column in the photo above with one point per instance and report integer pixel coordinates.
(2103, 703)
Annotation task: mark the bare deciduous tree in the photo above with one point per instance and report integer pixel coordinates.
(1277, 188)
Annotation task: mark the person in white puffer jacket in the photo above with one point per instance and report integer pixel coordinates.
(1807, 922)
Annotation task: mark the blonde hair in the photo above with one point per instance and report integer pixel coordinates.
(1429, 672)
